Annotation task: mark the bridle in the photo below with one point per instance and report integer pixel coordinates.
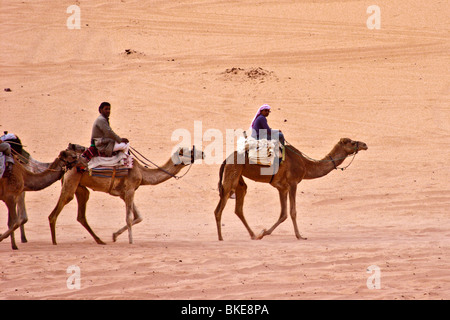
(135, 154)
(354, 155)
(67, 165)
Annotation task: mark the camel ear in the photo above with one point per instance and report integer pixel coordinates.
(345, 140)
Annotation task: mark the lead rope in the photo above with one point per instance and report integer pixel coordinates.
(134, 152)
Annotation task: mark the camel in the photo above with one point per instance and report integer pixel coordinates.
(77, 183)
(35, 166)
(20, 180)
(295, 168)
(29, 164)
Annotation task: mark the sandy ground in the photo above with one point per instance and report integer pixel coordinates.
(326, 76)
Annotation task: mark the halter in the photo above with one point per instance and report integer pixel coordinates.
(134, 152)
(67, 165)
(354, 155)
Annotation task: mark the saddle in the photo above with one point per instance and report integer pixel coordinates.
(262, 152)
(16, 146)
(99, 165)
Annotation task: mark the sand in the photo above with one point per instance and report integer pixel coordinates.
(166, 66)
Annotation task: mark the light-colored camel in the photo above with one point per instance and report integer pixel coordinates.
(20, 180)
(35, 166)
(295, 168)
(76, 183)
(29, 164)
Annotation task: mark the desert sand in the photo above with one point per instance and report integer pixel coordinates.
(166, 65)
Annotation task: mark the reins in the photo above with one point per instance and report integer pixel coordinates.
(41, 168)
(135, 154)
(324, 160)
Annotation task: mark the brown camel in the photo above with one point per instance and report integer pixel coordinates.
(291, 171)
(20, 180)
(76, 183)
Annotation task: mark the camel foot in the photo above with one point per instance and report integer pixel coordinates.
(100, 242)
(114, 237)
(261, 235)
(299, 237)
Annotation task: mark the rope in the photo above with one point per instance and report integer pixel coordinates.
(195, 186)
(134, 151)
(37, 166)
(12, 142)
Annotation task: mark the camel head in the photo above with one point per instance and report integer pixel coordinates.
(68, 158)
(76, 147)
(350, 146)
(187, 156)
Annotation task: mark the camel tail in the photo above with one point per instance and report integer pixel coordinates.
(222, 168)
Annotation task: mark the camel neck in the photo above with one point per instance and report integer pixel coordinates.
(157, 176)
(318, 168)
(42, 180)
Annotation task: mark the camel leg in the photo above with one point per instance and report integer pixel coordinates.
(12, 221)
(292, 193)
(70, 185)
(283, 215)
(137, 219)
(231, 177)
(23, 217)
(82, 194)
(130, 211)
(129, 219)
(241, 190)
(218, 211)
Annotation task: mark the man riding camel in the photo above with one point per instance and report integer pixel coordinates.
(260, 128)
(103, 137)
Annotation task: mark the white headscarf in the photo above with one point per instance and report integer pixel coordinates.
(8, 136)
(263, 107)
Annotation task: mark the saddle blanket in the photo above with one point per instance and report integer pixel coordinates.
(262, 152)
(121, 159)
(108, 172)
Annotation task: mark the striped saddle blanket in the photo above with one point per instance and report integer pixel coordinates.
(109, 172)
(116, 166)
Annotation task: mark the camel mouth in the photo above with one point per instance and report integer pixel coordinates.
(363, 146)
